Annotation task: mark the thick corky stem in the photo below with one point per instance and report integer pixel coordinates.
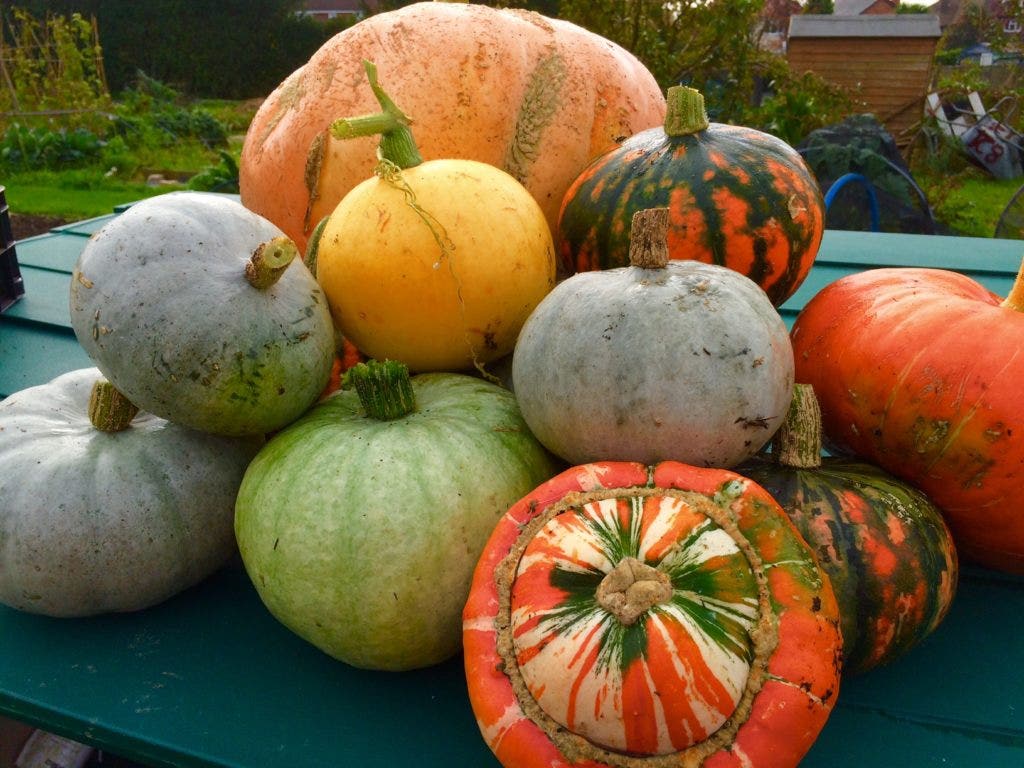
(109, 410)
(798, 441)
(631, 589)
(269, 261)
(648, 246)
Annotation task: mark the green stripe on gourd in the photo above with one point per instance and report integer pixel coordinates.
(883, 543)
(740, 198)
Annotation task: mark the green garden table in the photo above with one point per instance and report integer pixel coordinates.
(209, 678)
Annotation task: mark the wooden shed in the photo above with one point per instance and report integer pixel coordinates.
(883, 61)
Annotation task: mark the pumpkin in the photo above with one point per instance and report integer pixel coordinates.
(360, 524)
(670, 615)
(884, 545)
(436, 264)
(537, 97)
(658, 360)
(196, 309)
(738, 197)
(919, 371)
(104, 508)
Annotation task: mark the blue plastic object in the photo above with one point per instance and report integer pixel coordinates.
(845, 179)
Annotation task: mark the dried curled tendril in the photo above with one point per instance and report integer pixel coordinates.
(391, 173)
(388, 171)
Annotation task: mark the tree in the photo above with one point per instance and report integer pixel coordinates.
(820, 6)
(225, 48)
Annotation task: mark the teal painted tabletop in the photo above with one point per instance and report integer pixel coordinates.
(209, 678)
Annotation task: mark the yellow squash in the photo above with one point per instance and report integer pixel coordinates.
(436, 264)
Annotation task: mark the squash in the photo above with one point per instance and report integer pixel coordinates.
(885, 547)
(360, 524)
(436, 264)
(919, 371)
(658, 360)
(537, 97)
(670, 615)
(104, 508)
(196, 309)
(738, 197)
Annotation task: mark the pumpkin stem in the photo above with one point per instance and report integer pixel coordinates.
(684, 111)
(384, 388)
(1016, 298)
(109, 410)
(798, 441)
(396, 140)
(313, 246)
(269, 261)
(648, 244)
(631, 589)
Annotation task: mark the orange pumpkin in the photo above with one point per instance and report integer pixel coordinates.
(623, 613)
(919, 371)
(534, 96)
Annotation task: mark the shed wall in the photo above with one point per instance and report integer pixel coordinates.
(890, 76)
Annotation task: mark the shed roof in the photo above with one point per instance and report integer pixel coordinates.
(896, 25)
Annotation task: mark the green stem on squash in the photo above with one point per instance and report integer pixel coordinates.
(1015, 300)
(269, 261)
(648, 244)
(109, 410)
(313, 246)
(396, 140)
(684, 111)
(384, 388)
(798, 441)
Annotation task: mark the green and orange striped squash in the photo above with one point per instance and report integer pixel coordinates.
(739, 197)
(625, 614)
(884, 544)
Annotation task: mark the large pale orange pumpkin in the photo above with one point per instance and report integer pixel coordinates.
(534, 96)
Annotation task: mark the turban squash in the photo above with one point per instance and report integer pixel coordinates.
(624, 614)
(919, 371)
(534, 96)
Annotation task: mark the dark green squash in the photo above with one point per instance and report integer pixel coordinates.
(884, 544)
(738, 197)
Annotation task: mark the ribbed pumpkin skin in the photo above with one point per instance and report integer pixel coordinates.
(919, 371)
(885, 547)
(738, 667)
(534, 96)
(94, 522)
(737, 197)
(361, 535)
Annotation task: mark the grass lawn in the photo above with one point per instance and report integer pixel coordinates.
(72, 203)
(970, 202)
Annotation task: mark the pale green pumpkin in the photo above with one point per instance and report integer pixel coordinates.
(361, 533)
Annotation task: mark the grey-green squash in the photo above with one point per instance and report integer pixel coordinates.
(119, 518)
(660, 360)
(196, 309)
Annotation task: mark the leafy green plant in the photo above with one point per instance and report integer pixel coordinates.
(25, 147)
(52, 66)
(222, 177)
